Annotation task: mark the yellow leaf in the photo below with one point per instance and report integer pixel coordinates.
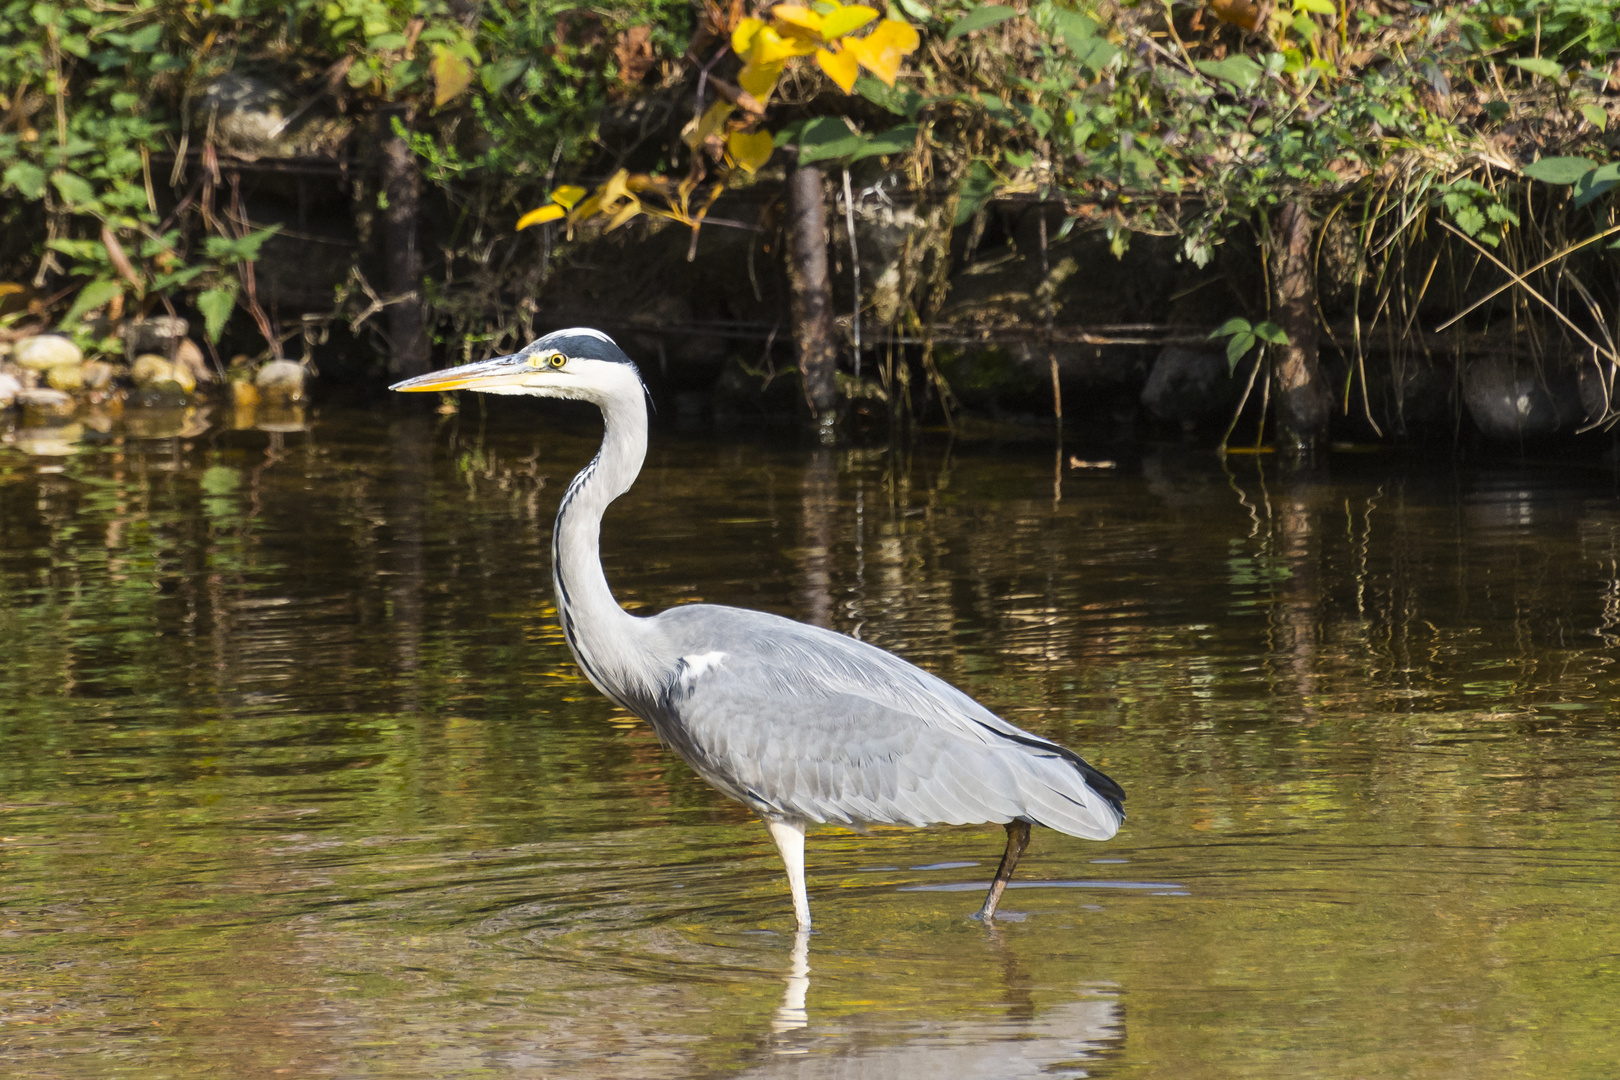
(846, 20)
(841, 67)
(539, 217)
(567, 195)
(743, 37)
(614, 189)
(451, 75)
(631, 209)
(750, 151)
(713, 119)
(881, 51)
(760, 79)
(586, 209)
(771, 47)
(795, 15)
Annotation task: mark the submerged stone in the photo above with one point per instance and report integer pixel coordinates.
(42, 406)
(280, 381)
(1512, 400)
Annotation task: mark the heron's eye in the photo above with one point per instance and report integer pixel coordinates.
(558, 360)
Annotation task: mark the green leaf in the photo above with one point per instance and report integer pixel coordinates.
(224, 249)
(977, 187)
(1270, 332)
(897, 140)
(915, 10)
(826, 137)
(1316, 7)
(1597, 183)
(1538, 65)
(1237, 324)
(495, 76)
(216, 306)
(1559, 170)
(91, 297)
(979, 19)
(1596, 116)
(1240, 71)
(1095, 54)
(900, 99)
(75, 190)
(1236, 347)
(184, 276)
(1076, 30)
(28, 180)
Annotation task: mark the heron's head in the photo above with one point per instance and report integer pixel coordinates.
(582, 363)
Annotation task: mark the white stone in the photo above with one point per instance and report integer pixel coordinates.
(45, 351)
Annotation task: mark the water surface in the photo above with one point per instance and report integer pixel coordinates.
(297, 777)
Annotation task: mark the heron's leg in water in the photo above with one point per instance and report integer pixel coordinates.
(789, 837)
(1017, 841)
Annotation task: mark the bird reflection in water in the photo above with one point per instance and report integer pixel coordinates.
(1058, 1042)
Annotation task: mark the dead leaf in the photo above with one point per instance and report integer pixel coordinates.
(1248, 14)
(634, 52)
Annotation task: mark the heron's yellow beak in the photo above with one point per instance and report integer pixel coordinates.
(484, 375)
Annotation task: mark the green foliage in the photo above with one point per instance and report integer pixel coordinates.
(1242, 335)
(1477, 210)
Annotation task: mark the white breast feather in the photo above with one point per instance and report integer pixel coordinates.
(696, 665)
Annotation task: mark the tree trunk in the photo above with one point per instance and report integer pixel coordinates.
(402, 252)
(1303, 399)
(812, 296)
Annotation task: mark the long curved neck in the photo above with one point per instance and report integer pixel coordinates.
(603, 636)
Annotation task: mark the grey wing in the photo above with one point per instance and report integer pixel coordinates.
(801, 722)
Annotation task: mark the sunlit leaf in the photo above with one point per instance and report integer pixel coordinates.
(451, 75)
(1559, 170)
(586, 209)
(1595, 116)
(881, 51)
(28, 180)
(772, 47)
(841, 67)
(568, 195)
(92, 296)
(75, 190)
(846, 20)
(216, 306)
(628, 211)
(795, 15)
(1597, 183)
(759, 79)
(1316, 7)
(978, 19)
(540, 216)
(742, 38)
(1538, 65)
(750, 150)
(712, 121)
(1240, 71)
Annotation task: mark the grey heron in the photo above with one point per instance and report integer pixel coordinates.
(798, 723)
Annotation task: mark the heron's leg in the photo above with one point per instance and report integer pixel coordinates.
(789, 838)
(1017, 841)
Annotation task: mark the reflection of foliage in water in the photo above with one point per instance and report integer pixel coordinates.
(232, 808)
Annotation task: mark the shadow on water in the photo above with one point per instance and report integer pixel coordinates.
(297, 777)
